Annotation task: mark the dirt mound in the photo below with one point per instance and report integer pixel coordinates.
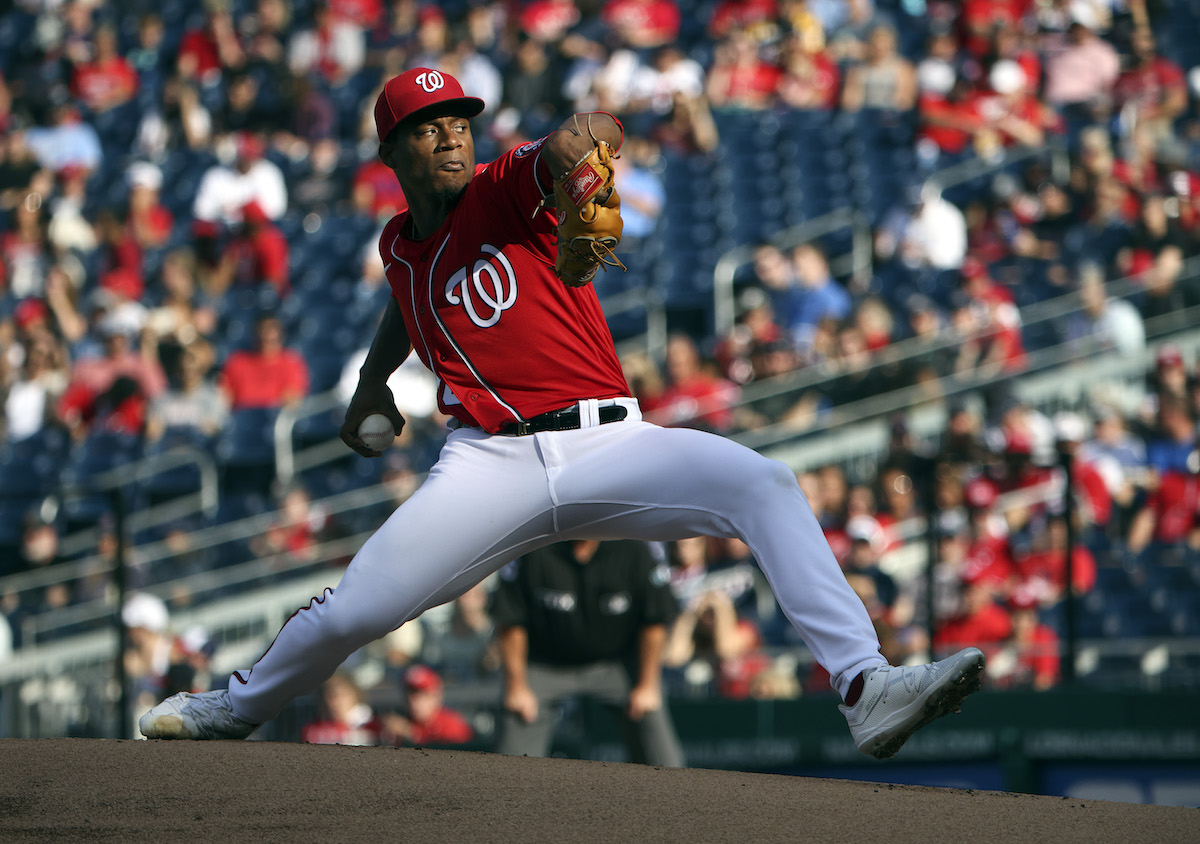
(129, 791)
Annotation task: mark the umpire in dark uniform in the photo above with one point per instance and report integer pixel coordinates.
(585, 619)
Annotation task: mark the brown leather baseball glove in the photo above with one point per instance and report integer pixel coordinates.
(589, 218)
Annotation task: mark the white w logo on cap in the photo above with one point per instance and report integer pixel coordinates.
(430, 81)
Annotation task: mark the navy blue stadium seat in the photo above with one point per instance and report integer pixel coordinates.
(100, 452)
(317, 428)
(1112, 580)
(245, 451)
(324, 368)
(13, 515)
(1180, 579)
(1116, 671)
(165, 484)
(86, 493)
(248, 437)
(27, 472)
(16, 27)
(1138, 615)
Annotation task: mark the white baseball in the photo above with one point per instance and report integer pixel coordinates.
(376, 432)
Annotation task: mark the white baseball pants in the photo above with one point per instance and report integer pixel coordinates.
(491, 498)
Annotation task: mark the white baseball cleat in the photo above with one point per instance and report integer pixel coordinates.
(898, 701)
(206, 715)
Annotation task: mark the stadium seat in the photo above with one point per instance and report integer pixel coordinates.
(170, 483)
(26, 473)
(1138, 615)
(317, 428)
(248, 439)
(1115, 671)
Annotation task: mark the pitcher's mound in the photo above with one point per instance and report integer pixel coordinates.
(154, 791)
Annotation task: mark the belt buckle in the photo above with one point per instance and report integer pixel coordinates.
(522, 428)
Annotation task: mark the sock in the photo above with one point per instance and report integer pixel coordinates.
(855, 691)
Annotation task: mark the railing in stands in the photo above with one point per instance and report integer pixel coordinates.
(860, 259)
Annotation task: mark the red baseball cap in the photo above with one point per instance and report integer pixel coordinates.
(419, 90)
(972, 267)
(980, 493)
(422, 679)
(123, 282)
(29, 312)
(250, 147)
(1018, 442)
(252, 212)
(1169, 356)
(1023, 598)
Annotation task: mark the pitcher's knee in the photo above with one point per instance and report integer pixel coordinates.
(758, 484)
(781, 475)
(769, 477)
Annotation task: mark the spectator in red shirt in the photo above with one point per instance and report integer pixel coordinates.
(331, 49)
(758, 16)
(1152, 85)
(297, 529)
(1168, 518)
(270, 375)
(1043, 573)
(1009, 44)
(108, 80)
(756, 346)
(111, 391)
(1001, 318)
(258, 255)
(149, 222)
(987, 559)
(1011, 111)
(208, 50)
(426, 720)
(979, 19)
(361, 13)
(1138, 166)
(739, 78)
(548, 21)
(375, 191)
(642, 24)
(810, 79)
(695, 395)
(947, 112)
(1033, 648)
(981, 621)
(1182, 182)
(347, 718)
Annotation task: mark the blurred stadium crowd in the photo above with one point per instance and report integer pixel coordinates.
(189, 206)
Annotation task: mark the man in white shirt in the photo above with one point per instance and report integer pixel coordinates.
(930, 232)
(1105, 322)
(225, 190)
(332, 48)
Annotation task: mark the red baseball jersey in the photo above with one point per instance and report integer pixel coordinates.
(485, 312)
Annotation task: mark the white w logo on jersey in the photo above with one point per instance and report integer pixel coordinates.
(495, 288)
(430, 81)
